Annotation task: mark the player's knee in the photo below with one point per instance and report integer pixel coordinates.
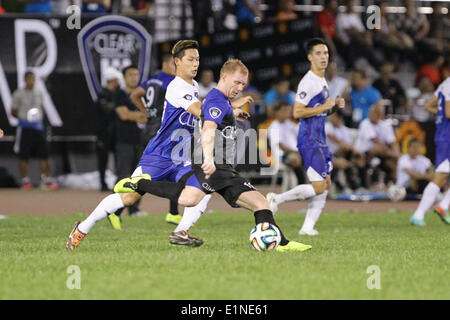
(320, 187)
(440, 179)
(129, 199)
(188, 201)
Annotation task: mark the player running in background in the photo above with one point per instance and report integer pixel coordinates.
(181, 111)
(439, 104)
(312, 105)
(218, 145)
(149, 97)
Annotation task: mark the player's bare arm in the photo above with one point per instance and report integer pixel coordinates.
(195, 109)
(339, 105)
(447, 109)
(301, 111)
(126, 115)
(208, 137)
(240, 114)
(431, 105)
(242, 101)
(136, 96)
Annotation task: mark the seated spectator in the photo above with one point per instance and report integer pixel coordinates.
(206, 83)
(355, 41)
(280, 92)
(287, 131)
(225, 15)
(286, 11)
(337, 85)
(391, 89)
(326, 22)
(139, 7)
(419, 97)
(414, 170)
(362, 96)
(37, 6)
(96, 6)
(376, 138)
(247, 11)
(431, 69)
(345, 156)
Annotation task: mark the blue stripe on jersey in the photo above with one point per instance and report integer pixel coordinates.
(312, 130)
(442, 133)
(174, 136)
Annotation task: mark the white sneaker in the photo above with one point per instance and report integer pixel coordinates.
(311, 232)
(270, 197)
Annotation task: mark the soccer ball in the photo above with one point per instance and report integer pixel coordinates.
(396, 193)
(265, 236)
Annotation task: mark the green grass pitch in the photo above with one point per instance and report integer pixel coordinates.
(139, 263)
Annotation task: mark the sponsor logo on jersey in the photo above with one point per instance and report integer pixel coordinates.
(187, 119)
(229, 132)
(215, 112)
(208, 187)
(302, 94)
(188, 97)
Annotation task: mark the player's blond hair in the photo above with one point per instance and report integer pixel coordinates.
(233, 65)
(182, 45)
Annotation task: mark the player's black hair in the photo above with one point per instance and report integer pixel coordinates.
(312, 43)
(182, 45)
(131, 66)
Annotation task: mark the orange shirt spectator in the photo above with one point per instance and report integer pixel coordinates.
(431, 70)
(327, 20)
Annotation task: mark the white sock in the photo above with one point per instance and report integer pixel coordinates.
(192, 214)
(301, 192)
(445, 201)
(109, 205)
(428, 198)
(315, 208)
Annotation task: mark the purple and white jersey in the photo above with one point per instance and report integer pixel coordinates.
(312, 91)
(177, 123)
(442, 93)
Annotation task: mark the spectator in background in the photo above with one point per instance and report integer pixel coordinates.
(206, 83)
(391, 89)
(439, 33)
(345, 156)
(106, 128)
(37, 6)
(60, 6)
(362, 96)
(139, 7)
(376, 138)
(326, 22)
(286, 11)
(414, 170)
(30, 133)
(96, 6)
(420, 96)
(128, 134)
(355, 40)
(337, 85)
(2, 11)
(1, 133)
(431, 69)
(247, 11)
(280, 92)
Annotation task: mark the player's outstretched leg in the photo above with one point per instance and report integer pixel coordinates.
(442, 209)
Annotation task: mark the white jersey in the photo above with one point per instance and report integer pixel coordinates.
(420, 164)
(367, 131)
(342, 133)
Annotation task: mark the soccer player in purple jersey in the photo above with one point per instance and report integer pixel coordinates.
(312, 105)
(439, 104)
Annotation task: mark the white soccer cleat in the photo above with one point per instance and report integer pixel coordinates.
(270, 197)
(312, 232)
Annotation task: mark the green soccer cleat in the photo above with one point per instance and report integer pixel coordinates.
(417, 222)
(130, 184)
(173, 218)
(115, 221)
(443, 214)
(293, 246)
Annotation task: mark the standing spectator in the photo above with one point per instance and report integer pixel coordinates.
(326, 22)
(247, 11)
(391, 89)
(139, 7)
(431, 69)
(419, 97)
(355, 40)
(286, 11)
(337, 85)
(362, 96)
(414, 170)
(128, 134)
(30, 135)
(37, 6)
(206, 83)
(96, 6)
(280, 92)
(105, 129)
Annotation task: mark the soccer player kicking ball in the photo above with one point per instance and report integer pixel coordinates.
(439, 104)
(312, 105)
(216, 174)
(181, 111)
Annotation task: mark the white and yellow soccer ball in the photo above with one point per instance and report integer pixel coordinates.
(396, 193)
(265, 236)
